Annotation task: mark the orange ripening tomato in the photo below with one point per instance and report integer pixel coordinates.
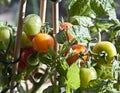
(41, 42)
(64, 27)
(77, 48)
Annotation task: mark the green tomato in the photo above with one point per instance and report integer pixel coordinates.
(86, 75)
(25, 42)
(108, 48)
(4, 34)
(33, 59)
(32, 24)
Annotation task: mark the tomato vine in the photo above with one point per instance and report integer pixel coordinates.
(84, 27)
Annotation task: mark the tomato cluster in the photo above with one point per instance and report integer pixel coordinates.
(33, 42)
(94, 62)
(103, 53)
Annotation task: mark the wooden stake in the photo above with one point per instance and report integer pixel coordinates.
(55, 15)
(18, 40)
(55, 18)
(43, 10)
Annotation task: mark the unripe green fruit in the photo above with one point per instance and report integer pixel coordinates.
(32, 24)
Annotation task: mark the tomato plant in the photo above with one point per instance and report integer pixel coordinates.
(39, 62)
(42, 42)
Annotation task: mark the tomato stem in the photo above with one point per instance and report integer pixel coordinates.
(99, 33)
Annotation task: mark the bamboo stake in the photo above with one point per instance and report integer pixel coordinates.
(18, 40)
(43, 10)
(55, 15)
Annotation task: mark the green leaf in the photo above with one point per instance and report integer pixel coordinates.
(73, 76)
(45, 59)
(51, 52)
(60, 37)
(82, 20)
(78, 7)
(48, 90)
(51, 89)
(81, 33)
(62, 68)
(103, 23)
(117, 42)
(103, 7)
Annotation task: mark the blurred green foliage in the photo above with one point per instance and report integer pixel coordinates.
(5, 1)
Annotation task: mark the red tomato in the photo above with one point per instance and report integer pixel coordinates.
(24, 54)
(77, 48)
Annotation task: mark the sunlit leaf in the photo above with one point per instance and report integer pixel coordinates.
(73, 76)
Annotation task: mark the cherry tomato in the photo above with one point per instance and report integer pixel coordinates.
(108, 48)
(32, 24)
(25, 42)
(86, 75)
(4, 34)
(42, 42)
(77, 48)
(64, 27)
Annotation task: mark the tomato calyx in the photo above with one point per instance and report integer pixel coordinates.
(102, 55)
